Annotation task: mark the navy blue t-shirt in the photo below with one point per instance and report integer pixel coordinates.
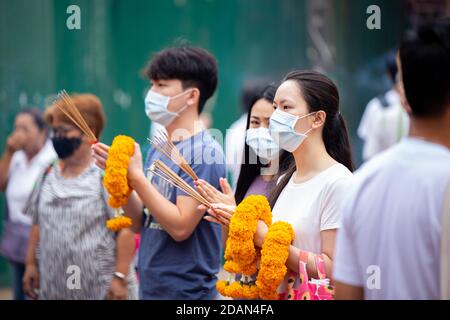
(182, 270)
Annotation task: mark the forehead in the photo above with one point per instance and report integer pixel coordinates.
(24, 118)
(60, 122)
(288, 91)
(262, 108)
(171, 82)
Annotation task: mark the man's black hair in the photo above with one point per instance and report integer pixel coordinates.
(425, 64)
(194, 67)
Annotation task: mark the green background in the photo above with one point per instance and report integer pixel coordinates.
(250, 38)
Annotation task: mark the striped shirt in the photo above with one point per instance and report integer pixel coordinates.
(76, 252)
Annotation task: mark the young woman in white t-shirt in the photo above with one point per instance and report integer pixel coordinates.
(307, 122)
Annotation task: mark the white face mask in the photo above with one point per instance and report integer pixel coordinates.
(156, 107)
(262, 144)
(282, 130)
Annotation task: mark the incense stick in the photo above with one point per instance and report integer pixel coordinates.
(162, 142)
(68, 107)
(161, 170)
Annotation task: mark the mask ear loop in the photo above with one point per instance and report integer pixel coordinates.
(305, 116)
(177, 113)
(308, 131)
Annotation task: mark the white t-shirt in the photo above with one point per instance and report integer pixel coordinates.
(234, 147)
(22, 177)
(313, 206)
(382, 127)
(392, 223)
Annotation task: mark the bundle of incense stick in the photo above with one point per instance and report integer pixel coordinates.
(68, 107)
(161, 170)
(162, 142)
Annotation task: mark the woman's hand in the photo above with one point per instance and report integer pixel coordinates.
(30, 281)
(260, 234)
(15, 142)
(215, 196)
(118, 290)
(100, 154)
(219, 213)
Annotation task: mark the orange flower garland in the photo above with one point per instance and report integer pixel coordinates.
(115, 179)
(274, 253)
(119, 222)
(240, 252)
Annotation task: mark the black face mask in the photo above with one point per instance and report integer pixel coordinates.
(65, 147)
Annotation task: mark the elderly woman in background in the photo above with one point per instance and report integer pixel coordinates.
(27, 153)
(71, 253)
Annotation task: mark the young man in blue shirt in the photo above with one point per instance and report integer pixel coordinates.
(179, 254)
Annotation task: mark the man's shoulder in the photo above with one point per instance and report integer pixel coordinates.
(207, 150)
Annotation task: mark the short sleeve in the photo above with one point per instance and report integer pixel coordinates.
(108, 210)
(345, 264)
(369, 128)
(210, 171)
(366, 124)
(32, 205)
(331, 212)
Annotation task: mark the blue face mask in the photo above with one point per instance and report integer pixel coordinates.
(282, 130)
(261, 142)
(156, 107)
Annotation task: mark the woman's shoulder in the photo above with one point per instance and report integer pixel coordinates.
(339, 171)
(338, 176)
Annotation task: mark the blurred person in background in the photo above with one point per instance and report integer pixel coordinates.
(384, 122)
(235, 135)
(27, 153)
(263, 163)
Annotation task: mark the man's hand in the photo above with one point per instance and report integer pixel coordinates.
(135, 169)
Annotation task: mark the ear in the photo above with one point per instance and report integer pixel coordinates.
(403, 100)
(319, 119)
(193, 96)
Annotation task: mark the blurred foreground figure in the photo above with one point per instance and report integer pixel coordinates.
(390, 243)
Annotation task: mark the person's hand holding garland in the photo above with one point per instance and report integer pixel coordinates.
(115, 179)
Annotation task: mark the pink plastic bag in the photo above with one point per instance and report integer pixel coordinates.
(314, 289)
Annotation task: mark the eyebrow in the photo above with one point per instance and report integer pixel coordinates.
(284, 100)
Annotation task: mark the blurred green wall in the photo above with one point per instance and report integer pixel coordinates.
(39, 56)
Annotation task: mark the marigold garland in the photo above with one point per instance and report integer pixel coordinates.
(240, 252)
(115, 179)
(237, 289)
(274, 253)
(119, 222)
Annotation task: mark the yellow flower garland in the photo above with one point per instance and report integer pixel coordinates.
(274, 253)
(240, 247)
(240, 252)
(117, 223)
(115, 179)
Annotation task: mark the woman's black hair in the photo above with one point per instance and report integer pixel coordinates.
(37, 116)
(320, 93)
(250, 170)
